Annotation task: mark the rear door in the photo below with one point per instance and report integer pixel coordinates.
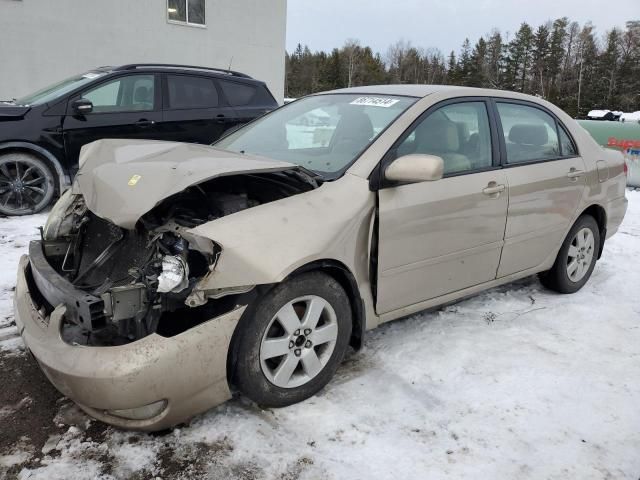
(194, 110)
(124, 107)
(546, 179)
(439, 237)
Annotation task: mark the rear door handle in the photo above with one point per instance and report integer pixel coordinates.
(574, 174)
(145, 123)
(493, 189)
(221, 118)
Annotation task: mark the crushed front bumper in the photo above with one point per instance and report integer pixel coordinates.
(172, 379)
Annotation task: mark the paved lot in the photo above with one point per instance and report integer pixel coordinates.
(516, 383)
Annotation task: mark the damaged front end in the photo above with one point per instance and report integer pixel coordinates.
(120, 300)
(129, 283)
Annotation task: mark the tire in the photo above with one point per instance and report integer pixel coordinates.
(261, 372)
(576, 259)
(27, 184)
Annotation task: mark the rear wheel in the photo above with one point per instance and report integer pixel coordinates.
(292, 342)
(576, 259)
(26, 184)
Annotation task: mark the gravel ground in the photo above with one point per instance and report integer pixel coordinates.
(515, 383)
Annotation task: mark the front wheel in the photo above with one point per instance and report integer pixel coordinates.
(26, 184)
(291, 343)
(576, 259)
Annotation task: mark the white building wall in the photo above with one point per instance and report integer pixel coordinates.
(44, 41)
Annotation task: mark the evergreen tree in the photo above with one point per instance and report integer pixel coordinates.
(561, 61)
(495, 60)
(453, 76)
(464, 62)
(540, 61)
(556, 56)
(518, 61)
(477, 76)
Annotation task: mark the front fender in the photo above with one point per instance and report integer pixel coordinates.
(264, 244)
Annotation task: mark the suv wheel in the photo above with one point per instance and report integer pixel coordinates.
(290, 345)
(576, 259)
(26, 184)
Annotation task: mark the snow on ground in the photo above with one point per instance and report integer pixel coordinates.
(515, 383)
(15, 235)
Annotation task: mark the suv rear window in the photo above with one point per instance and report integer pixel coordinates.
(191, 92)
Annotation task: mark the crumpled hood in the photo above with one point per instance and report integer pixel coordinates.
(121, 180)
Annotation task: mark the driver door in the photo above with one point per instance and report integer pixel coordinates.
(443, 236)
(125, 107)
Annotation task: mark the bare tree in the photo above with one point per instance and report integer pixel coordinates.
(352, 52)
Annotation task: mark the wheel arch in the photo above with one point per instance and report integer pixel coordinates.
(341, 273)
(600, 215)
(63, 179)
(336, 270)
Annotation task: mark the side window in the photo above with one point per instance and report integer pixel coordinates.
(238, 94)
(458, 133)
(124, 94)
(529, 133)
(568, 148)
(191, 92)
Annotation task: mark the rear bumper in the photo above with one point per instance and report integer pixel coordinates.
(616, 209)
(186, 372)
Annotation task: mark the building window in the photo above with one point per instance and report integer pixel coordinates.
(190, 12)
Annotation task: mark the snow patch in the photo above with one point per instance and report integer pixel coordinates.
(517, 382)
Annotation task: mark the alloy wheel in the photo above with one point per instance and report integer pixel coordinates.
(299, 341)
(23, 186)
(580, 254)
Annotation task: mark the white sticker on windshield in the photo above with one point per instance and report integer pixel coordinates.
(90, 75)
(375, 101)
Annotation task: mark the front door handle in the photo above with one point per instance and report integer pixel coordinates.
(221, 118)
(493, 189)
(143, 123)
(574, 173)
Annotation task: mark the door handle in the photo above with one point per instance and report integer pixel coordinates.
(574, 173)
(493, 189)
(143, 123)
(220, 118)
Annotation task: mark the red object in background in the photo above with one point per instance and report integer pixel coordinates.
(623, 144)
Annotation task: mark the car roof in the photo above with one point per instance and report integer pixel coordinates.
(420, 91)
(218, 72)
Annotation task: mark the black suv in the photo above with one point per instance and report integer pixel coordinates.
(41, 134)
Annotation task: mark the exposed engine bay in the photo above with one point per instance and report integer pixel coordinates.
(140, 281)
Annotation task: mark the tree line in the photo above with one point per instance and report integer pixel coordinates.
(562, 61)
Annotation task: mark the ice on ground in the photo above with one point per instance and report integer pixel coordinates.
(515, 383)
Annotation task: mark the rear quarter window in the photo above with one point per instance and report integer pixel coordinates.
(241, 94)
(566, 144)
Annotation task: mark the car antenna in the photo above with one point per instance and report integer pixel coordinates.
(230, 62)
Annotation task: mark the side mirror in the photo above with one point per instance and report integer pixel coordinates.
(415, 168)
(82, 106)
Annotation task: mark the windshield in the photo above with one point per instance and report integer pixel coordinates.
(52, 92)
(323, 133)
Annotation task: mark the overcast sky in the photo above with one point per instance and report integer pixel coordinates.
(325, 24)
